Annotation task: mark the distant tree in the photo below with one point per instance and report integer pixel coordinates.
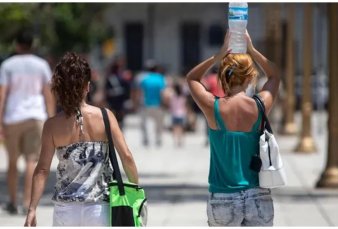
(58, 27)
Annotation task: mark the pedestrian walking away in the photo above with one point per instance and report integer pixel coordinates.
(150, 87)
(178, 111)
(25, 103)
(117, 89)
(77, 136)
(235, 198)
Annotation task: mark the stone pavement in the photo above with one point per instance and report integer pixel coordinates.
(175, 180)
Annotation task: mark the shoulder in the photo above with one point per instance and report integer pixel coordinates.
(159, 75)
(142, 77)
(54, 121)
(95, 113)
(9, 61)
(50, 124)
(38, 60)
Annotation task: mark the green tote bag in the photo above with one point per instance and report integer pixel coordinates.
(127, 200)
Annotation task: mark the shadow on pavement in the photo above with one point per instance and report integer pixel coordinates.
(155, 192)
(298, 195)
(173, 193)
(45, 199)
(176, 193)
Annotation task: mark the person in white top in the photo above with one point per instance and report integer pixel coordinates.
(25, 103)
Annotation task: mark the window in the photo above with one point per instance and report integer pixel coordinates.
(216, 35)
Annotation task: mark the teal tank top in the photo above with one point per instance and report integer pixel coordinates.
(230, 156)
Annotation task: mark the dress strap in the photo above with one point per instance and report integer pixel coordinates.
(217, 114)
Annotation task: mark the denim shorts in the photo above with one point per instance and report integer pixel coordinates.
(252, 207)
(178, 121)
(81, 214)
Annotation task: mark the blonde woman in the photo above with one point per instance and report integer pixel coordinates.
(235, 198)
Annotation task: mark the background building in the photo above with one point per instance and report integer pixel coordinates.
(179, 35)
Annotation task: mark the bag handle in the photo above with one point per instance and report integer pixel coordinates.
(266, 123)
(112, 153)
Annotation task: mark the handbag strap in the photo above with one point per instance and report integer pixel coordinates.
(112, 153)
(261, 107)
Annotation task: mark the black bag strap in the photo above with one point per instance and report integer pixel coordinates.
(112, 153)
(265, 124)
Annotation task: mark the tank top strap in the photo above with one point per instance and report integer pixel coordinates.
(256, 126)
(217, 114)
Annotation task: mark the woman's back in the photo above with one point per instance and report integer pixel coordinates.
(78, 138)
(238, 113)
(84, 171)
(66, 131)
(234, 136)
(233, 144)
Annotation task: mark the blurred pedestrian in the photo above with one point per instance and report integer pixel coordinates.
(178, 111)
(25, 103)
(235, 197)
(150, 88)
(213, 85)
(117, 89)
(77, 136)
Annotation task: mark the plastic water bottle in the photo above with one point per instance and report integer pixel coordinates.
(238, 19)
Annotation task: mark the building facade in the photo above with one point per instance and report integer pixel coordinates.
(179, 35)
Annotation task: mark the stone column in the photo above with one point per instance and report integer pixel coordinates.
(290, 126)
(329, 177)
(306, 143)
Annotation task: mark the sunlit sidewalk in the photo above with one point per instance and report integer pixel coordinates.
(175, 180)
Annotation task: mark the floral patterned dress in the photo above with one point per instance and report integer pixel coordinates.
(83, 172)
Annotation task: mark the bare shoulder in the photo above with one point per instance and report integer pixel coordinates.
(268, 100)
(96, 112)
(53, 122)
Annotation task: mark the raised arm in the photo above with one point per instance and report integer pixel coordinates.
(125, 155)
(270, 88)
(41, 172)
(202, 97)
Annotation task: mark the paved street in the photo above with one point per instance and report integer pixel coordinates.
(175, 180)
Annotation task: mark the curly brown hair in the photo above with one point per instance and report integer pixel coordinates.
(71, 76)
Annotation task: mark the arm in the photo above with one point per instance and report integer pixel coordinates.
(202, 97)
(125, 155)
(41, 172)
(3, 94)
(46, 91)
(49, 100)
(165, 94)
(136, 93)
(270, 88)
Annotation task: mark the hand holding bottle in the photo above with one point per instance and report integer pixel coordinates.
(250, 46)
(224, 49)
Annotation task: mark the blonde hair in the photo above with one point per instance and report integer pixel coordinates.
(234, 69)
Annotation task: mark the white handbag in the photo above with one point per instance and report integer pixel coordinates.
(272, 173)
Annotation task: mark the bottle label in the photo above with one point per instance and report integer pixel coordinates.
(238, 13)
